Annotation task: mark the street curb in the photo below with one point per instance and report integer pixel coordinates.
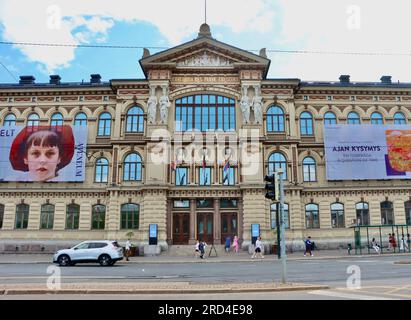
(402, 262)
(28, 291)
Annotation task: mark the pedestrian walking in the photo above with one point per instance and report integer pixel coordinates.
(308, 244)
(403, 245)
(202, 247)
(197, 249)
(394, 242)
(128, 249)
(227, 244)
(235, 244)
(375, 245)
(389, 241)
(408, 241)
(258, 249)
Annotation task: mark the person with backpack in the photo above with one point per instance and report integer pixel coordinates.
(375, 245)
(227, 244)
(308, 244)
(202, 247)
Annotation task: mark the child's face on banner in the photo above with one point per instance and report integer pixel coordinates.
(42, 162)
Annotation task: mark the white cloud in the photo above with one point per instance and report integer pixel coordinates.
(328, 26)
(40, 21)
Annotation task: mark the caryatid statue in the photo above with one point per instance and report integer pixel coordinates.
(245, 106)
(257, 104)
(152, 106)
(164, 105)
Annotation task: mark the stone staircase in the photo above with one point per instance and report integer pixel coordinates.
(188, 250)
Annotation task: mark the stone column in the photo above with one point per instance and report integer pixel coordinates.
(193, 222)
(34, 216)
(240, 221)
(324, 215)
(85, 216)
(399, 211)
(217, 221)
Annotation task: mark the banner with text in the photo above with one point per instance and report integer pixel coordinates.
(354, 152)
(43, 153)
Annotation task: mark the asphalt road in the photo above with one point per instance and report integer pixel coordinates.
(377, 277)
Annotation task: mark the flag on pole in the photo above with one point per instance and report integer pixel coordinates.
(225, 178)
(182, 180)
(227, 164)
(204, 161)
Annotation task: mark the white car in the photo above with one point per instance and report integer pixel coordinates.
(105, 252)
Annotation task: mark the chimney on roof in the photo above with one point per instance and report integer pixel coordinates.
(27, 80)
(55, 79)
(95, 78)
(386, 79)
(344, 78)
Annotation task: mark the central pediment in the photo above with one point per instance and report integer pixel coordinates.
(204, 53)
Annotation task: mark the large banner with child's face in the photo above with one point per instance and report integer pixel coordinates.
(43, 153)
(367, 152)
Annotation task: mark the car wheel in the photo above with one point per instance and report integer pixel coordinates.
(104, 260)
(64, 260)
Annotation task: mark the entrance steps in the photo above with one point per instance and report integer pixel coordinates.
(189, 250)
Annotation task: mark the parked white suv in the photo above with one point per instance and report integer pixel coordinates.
(105, 252)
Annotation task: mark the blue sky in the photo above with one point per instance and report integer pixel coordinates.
(317, 25)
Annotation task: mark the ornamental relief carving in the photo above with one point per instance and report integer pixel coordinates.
(205, 60)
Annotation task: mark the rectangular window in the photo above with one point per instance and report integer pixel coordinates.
(228, 203)
(22, 216)
(47, 216)
(274, 208)
(205, 176)
(205, 203)
(229, 177)
(181, 176)
(181, 204)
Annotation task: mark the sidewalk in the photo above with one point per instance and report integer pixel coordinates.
(223, 258)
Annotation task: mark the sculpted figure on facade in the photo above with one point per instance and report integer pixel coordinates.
(164, 105)
(245, 106)
(257, 104)
(152, 106)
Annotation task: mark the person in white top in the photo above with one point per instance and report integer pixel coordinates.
(258, 249)
(197, 249)
(375, 245)
(128, 247)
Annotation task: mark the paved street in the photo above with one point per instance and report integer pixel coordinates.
(381, 276)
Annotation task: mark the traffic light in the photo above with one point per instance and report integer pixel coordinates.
(271, 187)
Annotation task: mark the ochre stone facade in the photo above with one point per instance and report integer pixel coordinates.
(203, 66)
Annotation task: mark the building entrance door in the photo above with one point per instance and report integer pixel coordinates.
(181, 227)
(229, 225)
(205, 226)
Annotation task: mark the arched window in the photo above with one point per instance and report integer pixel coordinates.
(399, 118)
(275, 119)
(306, 124)
(130, 216)
(387, 213)
(72, 216)
(363, 217)
(337, 215)
(101, 173)
(376, 118)
(1, 215)
(33, 120)
(275, 211)
(205, 113)
(309, 169)
(135, 120)
(353, 118)
(312, 219)
(47, 216)
(98, 217)
(132, 167)
(407, 206)
(10, 120)
(330, 118)
(56, 119)
(104, 125)
(80, 119)
(277, 161)
(22, 216)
